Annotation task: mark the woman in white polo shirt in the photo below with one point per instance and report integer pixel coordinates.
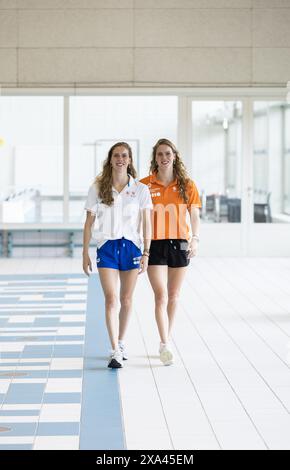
(118, 210)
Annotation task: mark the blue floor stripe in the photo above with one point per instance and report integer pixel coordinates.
(101, 419)
(63, 397)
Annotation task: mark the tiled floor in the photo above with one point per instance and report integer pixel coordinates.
(228, 389)
(41, 348)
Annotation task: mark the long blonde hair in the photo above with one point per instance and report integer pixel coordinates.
(179, 170)
(104, 180)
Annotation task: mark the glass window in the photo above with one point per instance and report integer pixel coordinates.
(97, 122)
(286, 164)
(271, 162)
(216, 158)
(31, 159)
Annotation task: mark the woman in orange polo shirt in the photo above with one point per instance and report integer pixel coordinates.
(174, 195)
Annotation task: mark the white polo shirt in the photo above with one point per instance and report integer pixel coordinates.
(123, 217)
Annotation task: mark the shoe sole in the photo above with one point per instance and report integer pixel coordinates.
(113, 364)
(166, 358)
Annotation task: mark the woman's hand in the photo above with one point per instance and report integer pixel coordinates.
(87, 264)
(192, 248)
(143, 264)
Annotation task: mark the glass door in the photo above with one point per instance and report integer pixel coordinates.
(216, 167)
(240, 161)
(270, 203)
(97, 122)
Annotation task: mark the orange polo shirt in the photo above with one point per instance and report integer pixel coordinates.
(169, 209)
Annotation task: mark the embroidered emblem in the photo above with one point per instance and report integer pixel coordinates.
(131, 193)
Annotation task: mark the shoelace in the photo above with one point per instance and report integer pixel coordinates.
(118, 355)
(115, 354)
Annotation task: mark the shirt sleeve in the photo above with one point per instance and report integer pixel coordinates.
(91, 202)
(194, 199)
(145, 198)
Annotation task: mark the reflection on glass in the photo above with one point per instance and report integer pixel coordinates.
(216, 153)
(97, 122)
(31, 159)
(271, 162)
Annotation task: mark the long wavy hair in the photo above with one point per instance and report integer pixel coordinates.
(179, 170)
(104, 180)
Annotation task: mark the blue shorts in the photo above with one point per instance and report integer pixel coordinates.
(121, 254)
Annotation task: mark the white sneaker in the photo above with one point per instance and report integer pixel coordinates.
(165, 354)
(122, 348)
(115, 359)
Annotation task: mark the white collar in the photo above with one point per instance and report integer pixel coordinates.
(128, 186)
(131, 181)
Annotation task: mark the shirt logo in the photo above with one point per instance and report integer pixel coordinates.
(131, 193)
(155, 194)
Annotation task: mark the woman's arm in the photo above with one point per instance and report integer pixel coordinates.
(195, 227)
(147, 229)
(90, 219)
(147, 235)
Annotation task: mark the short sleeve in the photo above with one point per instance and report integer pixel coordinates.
(194, 199)
(91, 202)
(145, 198)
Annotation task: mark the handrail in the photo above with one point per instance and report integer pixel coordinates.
(7, 242)
(40, 226)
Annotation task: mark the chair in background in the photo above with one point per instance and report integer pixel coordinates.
(210, 207)
(262, 211)
(234, 209)
(223, 207)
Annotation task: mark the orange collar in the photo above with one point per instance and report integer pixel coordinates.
(153, 179)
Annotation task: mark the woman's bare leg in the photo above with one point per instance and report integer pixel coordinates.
(127, 285)
(109, 281)
(158, 279)
(175, 279)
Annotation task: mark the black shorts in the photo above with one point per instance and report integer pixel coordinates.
(171, 253)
